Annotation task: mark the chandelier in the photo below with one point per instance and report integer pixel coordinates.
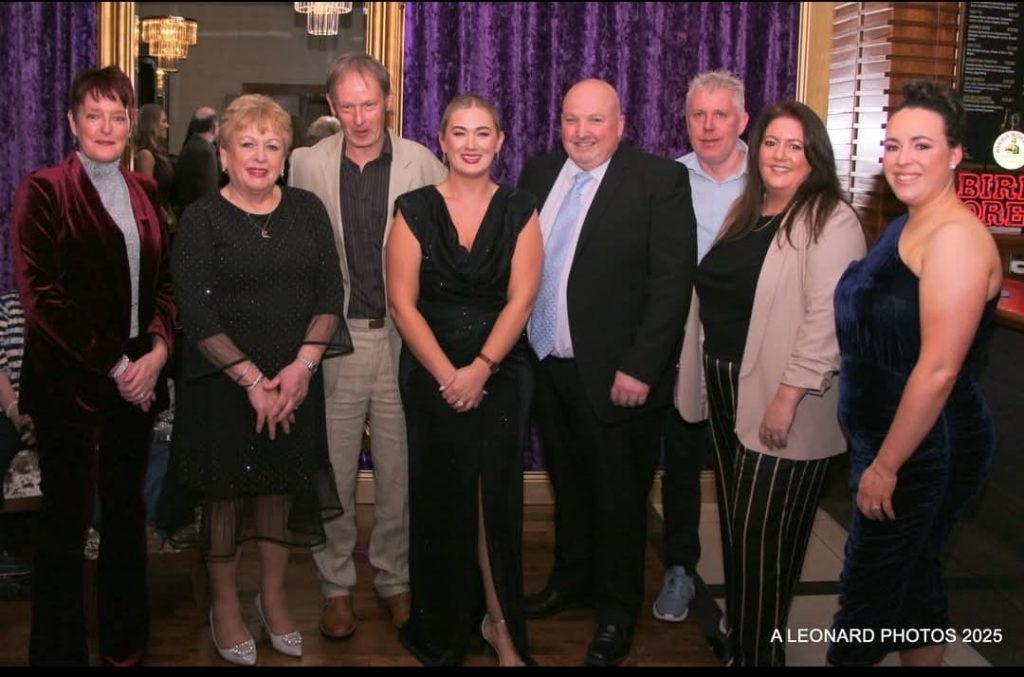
(322, 17)
(169, 38)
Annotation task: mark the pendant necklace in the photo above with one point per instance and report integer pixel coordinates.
(770, 221)
(265, 228)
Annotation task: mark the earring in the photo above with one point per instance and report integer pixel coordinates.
(952, 166)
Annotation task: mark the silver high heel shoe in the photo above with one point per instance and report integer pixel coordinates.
(290, 643)
(243, 653)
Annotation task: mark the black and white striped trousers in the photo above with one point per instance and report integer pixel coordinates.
(766, 508)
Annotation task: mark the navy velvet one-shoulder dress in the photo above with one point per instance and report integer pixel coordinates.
(891, 587)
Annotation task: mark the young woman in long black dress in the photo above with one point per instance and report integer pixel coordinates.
(463, 268)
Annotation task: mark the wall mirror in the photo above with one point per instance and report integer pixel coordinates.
(246, 47)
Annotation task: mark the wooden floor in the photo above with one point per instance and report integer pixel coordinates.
(180, 635)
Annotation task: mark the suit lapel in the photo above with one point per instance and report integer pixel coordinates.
(547, 175)
(776, 265)
(398, 181)
(603, 199)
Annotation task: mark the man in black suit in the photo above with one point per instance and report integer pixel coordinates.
(606, 329)
(197, 169)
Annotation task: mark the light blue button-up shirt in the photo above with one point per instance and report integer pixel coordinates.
(712, 198)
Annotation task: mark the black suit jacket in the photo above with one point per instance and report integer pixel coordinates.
(632, 273)
(196, 173)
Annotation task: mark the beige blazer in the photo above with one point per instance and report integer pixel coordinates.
(318, 169)
(791, 340)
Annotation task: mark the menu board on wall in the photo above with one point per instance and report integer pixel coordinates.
(991, 75)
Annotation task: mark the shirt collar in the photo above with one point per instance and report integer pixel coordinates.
(385, 151)
(693, 164)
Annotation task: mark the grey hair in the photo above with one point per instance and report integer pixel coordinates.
(718, 79)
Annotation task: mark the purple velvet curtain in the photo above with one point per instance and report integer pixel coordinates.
(525, 55)
(42, 45)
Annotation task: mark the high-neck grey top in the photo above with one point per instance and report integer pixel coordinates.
(106, 177)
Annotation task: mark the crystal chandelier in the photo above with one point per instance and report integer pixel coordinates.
(169, 38)
(322, 17)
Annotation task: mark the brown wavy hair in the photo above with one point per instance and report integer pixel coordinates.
(815, 199)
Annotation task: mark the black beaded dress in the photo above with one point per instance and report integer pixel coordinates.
(243, 295)
(454, 458)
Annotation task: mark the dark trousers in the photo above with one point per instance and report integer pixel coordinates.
(683, 449)
(766, 508)
(601, 474)
(77, 459)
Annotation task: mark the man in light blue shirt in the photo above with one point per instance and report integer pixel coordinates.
(715, 118)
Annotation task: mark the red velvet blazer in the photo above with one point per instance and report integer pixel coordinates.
(71, 268)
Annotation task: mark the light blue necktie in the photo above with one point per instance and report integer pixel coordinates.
(541, 330)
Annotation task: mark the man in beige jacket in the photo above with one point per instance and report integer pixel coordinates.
(358, 173)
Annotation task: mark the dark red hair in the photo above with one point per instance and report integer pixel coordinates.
(109, 83)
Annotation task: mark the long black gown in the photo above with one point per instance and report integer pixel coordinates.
(892, 577)
(454, 455)
(245, 296)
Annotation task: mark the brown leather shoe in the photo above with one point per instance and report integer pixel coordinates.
(399, 606)
(338, 620)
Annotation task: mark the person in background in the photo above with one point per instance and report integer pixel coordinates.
(768, 363)
(464, 260)
(322, 127)
(17, 431)
(91, 266)
(197, 168)
(715, 118)
(358, 174)
(620, 250)
(914, 319)
(151, 156)
(257, 276)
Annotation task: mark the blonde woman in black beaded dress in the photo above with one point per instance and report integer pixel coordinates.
(257, 273)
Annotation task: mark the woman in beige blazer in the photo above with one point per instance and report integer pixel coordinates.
(759, 356)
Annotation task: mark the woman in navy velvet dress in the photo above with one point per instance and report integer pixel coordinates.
(913, 319)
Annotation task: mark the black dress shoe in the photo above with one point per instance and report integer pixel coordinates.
(610, 645)
(550, 601)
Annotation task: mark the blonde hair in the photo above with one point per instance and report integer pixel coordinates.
(259, 110)
(463, 101)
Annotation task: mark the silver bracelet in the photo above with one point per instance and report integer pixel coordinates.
(121, 368)
(308, 364)
(256, 382)
(241, 377)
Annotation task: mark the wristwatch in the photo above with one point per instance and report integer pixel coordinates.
(308, 364)
(491, 364)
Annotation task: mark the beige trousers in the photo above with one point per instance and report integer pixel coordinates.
(360, 383)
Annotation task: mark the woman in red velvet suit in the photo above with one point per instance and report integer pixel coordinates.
(91, 266)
